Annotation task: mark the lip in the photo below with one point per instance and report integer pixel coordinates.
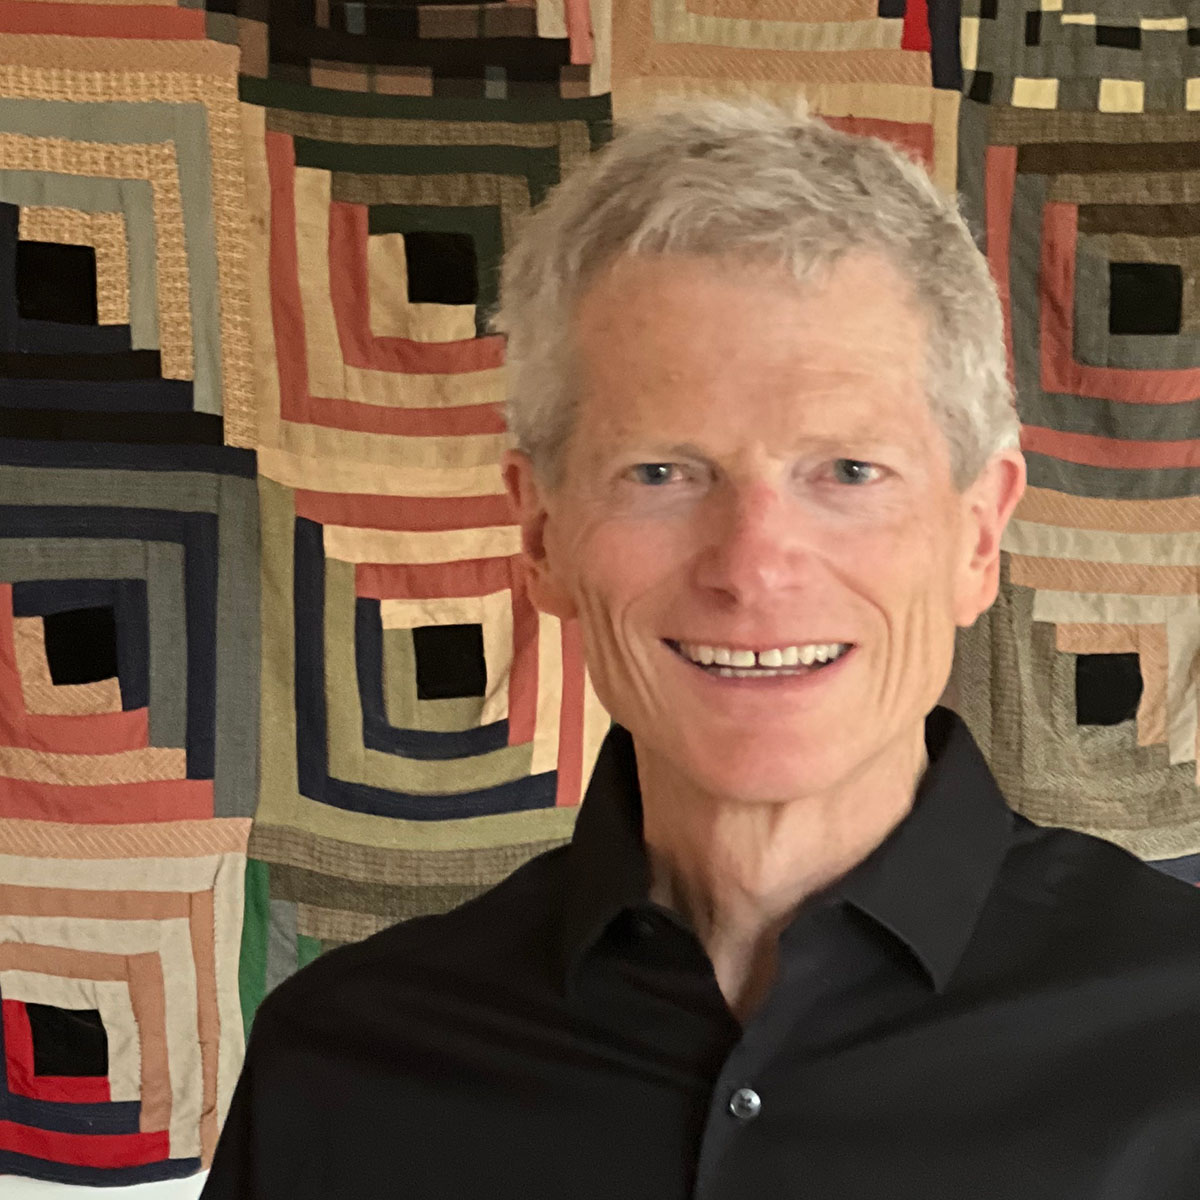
(771, 685)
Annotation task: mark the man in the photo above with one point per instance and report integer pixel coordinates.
(799, 944)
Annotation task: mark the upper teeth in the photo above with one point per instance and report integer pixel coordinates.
(779, 656)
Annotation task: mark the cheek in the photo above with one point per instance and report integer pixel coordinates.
(620, 569)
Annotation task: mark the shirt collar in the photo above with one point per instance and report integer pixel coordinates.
(926, 883)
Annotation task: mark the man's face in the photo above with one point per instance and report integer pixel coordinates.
(754, 465)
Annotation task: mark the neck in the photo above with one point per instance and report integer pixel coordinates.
(738, 871)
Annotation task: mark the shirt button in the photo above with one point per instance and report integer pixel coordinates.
(745, 1104)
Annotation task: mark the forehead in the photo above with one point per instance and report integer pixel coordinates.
(682, 343)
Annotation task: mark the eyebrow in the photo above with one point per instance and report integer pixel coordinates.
(868, 442)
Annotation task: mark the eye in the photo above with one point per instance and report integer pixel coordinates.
(858, 468)
(655, 474)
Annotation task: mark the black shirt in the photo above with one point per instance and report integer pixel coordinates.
(982, 1009)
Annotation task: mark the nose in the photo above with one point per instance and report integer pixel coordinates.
(754, 532)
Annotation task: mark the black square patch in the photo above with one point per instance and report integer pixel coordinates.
(81, 645)
(1145, 298)
(450, 662)
(1108, 688)
(441, 267)
(67, 1041)
(56, 283)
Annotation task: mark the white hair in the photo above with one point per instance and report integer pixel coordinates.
(755, 182)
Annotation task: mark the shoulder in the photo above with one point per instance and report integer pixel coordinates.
(1086, 895)
(501, 938)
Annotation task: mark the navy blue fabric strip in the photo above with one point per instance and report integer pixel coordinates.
(312, 759)
(101, 395)
(133, 364)
(9, 316)
(224, 460)
(378, 733)
(40, 598)
(56, 337)
(204, 429)
(197, 533)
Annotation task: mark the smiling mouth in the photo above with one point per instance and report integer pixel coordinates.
(757, 671)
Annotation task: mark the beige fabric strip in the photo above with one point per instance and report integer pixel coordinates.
(333, 475)
(356, 545)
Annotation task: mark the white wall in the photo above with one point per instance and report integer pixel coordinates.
(13, 1187)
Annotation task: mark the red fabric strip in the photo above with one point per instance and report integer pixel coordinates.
(432, 581)
(1060, 371)
(18, 1046)
(405, 422)
(1093, 451)
(88, 20)
(523, 681)
(413, 513)
(917, 139)
(916, 27)
(107, 804)
(85, 1149)
(579, 32)
(570, 721)
(350, 292)
(1000, 171)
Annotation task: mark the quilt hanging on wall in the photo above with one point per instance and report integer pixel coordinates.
(270, 679)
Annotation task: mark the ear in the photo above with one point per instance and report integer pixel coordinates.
(990, 502)
(530, 502)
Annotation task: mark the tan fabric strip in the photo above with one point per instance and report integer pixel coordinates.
(338, 926)
(41, 693)
(1023, 126)
(1159, 187)
(162, 840)
(787, 10)
(68, 902)
(201, 928)
(128, 766)
(1073, 575)
(373, 864)
(1125, 516)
